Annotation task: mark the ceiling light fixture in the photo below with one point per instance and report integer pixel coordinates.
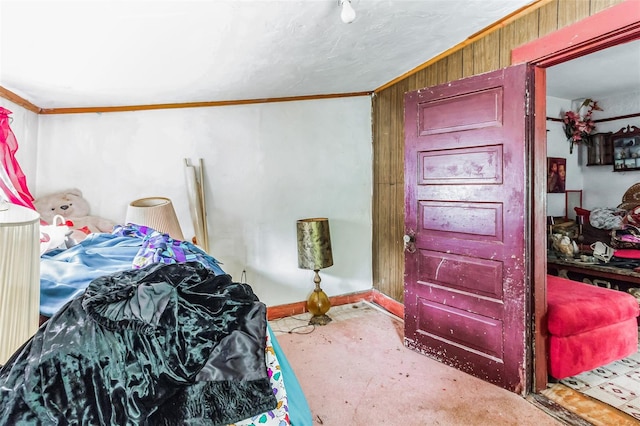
(348, 15)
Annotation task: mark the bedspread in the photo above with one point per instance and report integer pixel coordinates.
(65, 273)
(136, 344)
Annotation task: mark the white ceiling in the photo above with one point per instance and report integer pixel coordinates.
(58, 53)
(84, 53)
(608, 72)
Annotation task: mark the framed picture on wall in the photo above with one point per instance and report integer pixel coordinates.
(556, 174)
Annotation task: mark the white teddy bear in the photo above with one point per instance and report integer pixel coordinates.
(74, 209)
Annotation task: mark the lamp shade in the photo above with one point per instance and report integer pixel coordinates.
(156, 213)
(314, 243)
(19, 277)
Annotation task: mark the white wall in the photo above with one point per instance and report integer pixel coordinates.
(24, 125)
(557, 146)
(602, 187)
(266, 165)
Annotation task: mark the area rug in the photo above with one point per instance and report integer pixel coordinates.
(616, 384)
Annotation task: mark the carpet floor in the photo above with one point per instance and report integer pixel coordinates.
(356, 371)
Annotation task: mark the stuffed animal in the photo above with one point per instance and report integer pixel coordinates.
(564, 245)
(74, 209)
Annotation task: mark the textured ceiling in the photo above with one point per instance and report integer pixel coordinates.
(59, 54)
(84, 53)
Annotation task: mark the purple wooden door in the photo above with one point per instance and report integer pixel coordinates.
(465, 209)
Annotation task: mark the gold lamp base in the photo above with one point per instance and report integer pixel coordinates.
(318, 304)
(320, 320)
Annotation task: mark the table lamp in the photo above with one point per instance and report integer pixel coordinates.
(156, 213)
(19, 276)
(314, 252)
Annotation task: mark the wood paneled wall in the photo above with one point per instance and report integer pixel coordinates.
(489, 51)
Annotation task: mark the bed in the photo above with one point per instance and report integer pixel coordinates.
(144, 329)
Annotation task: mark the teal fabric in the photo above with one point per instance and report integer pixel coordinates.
(299, 411)
(166, 344)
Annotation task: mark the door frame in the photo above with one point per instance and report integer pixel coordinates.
(615, 25)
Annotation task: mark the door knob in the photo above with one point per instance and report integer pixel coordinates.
(409, 243)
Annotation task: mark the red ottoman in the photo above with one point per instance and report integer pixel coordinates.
(588, 326)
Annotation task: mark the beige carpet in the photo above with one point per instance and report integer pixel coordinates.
(355, 371)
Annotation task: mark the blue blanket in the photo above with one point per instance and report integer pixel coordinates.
(66, 273)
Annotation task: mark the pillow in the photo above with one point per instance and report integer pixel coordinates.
(607, 218)
(633, 217)
(627, 253)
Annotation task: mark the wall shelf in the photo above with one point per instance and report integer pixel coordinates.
(626, 149)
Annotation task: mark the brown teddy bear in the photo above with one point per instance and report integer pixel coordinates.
(74, 209)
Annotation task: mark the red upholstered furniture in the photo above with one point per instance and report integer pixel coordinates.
(588, 326)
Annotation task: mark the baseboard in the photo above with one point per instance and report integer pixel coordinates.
(384, 301)
(389, 304)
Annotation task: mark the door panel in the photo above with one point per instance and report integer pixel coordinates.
(465, 203)
(484, 110)
(478, 276)
(471, 166)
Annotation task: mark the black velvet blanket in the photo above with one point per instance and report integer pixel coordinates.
(166, 344)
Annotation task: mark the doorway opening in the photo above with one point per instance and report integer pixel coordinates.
(600, 186)
(608, 33)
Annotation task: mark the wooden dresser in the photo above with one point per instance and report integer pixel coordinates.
(598, 274)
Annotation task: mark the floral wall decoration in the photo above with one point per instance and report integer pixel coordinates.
(578, 128)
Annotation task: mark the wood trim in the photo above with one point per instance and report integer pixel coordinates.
(619, 117)
(388, 304)
(615, 25)
(288, 310)
(628, 277)
(539, 231)
(197, 104)
(602, 120)
(297, 308)
(556, 410)
(7, 94)
(470, 40)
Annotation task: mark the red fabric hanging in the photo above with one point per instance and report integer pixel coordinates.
(13, 183)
